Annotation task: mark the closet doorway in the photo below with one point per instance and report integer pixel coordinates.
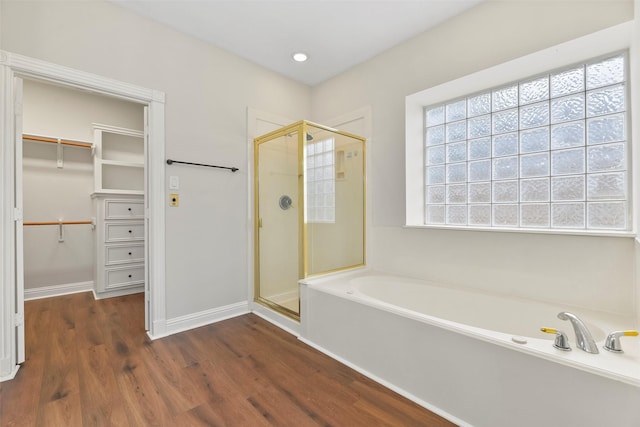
(83, 154)
(13, 69)
(82, 182)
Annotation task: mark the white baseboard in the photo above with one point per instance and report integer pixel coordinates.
(11, 375)
(159, 329)
(57, 290)
(401, 392)
(283, 322)
(118, 292)
(203, 318)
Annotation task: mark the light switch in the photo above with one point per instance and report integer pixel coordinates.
(174, 182)
(174, 200)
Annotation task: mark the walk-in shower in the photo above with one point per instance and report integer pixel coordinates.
(309, 209)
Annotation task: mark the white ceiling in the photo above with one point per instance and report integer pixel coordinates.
(335, 34)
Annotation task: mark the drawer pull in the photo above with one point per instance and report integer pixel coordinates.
(129, 276)
(129, 209)
(130, 231)
(129, 253)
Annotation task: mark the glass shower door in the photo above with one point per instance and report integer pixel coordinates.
(278, 226)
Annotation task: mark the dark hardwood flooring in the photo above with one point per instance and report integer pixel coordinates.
(90, 363)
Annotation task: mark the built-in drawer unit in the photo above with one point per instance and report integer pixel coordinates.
(124, 209)
(119, 244)
(119, 232)
(124, 254)
(121, 277)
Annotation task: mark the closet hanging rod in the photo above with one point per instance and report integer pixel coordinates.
(57, 223)
(55, 141)
(232, 169)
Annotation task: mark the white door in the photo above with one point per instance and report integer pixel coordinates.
(19, 255)
(147, 284)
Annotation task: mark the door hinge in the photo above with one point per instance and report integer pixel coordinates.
(17, 214)
(18, 319)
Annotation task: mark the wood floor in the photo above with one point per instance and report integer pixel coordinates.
(89, 363)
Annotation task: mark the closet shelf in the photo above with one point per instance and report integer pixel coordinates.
(111, 192)
(118, 164)
(123, 164)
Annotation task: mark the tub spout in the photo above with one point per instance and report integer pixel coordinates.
(584, 340)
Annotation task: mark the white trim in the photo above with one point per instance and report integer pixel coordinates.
(59, 74)
(571, 52)
(360, 113)
(8, 353)
(118, 130)
(581, 49)
(18, 165)
(203, 318)
(117, 292)
(436, 410)
(17, 65)
(12, 374)
(566, 232)
(281, 321)
(57, 290)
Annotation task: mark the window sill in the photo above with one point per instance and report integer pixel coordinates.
(562, 232)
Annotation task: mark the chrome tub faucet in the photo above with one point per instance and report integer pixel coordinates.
(584, 339)
(612, 343)
(561, 341)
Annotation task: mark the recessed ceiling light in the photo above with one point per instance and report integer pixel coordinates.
(300, 57)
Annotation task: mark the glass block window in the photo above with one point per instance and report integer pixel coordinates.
(320, 181)
(548, 152)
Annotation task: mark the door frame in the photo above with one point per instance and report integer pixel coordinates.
(15, 65)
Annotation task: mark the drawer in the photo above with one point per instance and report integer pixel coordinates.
(122, 254)
(123, 277)
(123, 209)
(120, 232)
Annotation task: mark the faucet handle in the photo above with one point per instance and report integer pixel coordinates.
(612, 343)
(561, 342)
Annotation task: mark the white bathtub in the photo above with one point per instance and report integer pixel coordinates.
(475, 358)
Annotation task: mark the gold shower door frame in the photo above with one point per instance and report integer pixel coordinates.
(301, 128)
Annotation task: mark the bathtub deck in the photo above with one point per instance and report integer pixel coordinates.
(90, 363)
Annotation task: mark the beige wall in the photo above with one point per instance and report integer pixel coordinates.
(586, 271)
(50, 193)
(207, 91)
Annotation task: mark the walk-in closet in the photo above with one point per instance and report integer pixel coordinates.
(83, 168)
